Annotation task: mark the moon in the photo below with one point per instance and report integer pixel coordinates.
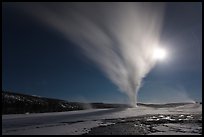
(159, 54)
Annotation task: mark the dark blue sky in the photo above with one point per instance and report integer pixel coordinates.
(38, 60)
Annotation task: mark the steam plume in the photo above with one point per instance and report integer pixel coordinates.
(118, 37)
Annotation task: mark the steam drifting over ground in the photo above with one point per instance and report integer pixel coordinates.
(119, 37)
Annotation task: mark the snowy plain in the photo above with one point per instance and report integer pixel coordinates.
(80, 122)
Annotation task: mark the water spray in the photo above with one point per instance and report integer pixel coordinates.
(119, 37)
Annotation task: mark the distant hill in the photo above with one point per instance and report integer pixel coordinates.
(165, 105)
(16, 103)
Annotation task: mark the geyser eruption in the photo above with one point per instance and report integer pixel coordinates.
(119, 37)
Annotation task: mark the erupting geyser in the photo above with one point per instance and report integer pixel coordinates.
(118, 37)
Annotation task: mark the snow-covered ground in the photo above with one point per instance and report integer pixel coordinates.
(80, 122)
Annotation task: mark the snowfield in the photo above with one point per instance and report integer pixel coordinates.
(81, 122)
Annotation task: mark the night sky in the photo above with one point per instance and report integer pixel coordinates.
(38, 60)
